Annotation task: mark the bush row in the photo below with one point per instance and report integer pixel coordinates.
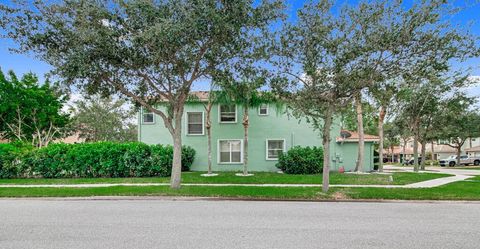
(103, 159)
(301, 160)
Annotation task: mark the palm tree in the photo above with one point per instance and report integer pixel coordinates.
(247, 95)
(208, 109)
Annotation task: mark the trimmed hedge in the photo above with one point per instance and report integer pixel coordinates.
(9, 154)
(103, 159)
(301, 160)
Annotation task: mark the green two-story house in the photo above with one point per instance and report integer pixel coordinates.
(271, 132)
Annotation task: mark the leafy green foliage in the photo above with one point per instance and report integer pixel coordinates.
(301, 160)
(104, 119)
(103, 159)
(148, 51)
(30, 111)
(9, 155)
(370, 118)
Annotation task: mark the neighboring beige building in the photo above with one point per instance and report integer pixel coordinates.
(473, 151)
(439, 150)
(72, 139)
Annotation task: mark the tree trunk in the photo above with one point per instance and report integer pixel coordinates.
(404, 146)
(326, 149)
(393, 155)
(209, 137)
(381, 119)
(424, 157)
(175, 179)
(361, 137)
(245, 140)
(433, 151)
(459, 152)
(415, 151)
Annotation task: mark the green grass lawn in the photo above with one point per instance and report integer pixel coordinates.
(455, 191)
(463, 190)
(199, 191)
(399, 178)
(476, 178)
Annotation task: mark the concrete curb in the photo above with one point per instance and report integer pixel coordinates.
(193, 198)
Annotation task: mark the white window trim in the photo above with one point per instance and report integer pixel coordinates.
(241, 151)
(268, 110)
(227, 122)
(142, 119)
(266, 148)
(203, 124)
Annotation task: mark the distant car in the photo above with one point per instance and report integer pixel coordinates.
(412, 161)
(451, 161)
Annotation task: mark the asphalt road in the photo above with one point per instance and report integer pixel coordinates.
(70, 224)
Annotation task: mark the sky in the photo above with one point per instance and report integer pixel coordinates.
(470, 17)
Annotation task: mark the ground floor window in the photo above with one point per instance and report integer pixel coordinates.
(274, 148)
(230, 151)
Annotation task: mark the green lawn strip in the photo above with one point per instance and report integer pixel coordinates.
(454, 191)
(399, 178)
(198, 191)
(475, 178)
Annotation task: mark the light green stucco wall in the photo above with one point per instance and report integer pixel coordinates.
(276, 125)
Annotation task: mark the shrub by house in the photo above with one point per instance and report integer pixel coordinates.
(103, 159)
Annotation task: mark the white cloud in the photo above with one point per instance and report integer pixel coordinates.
(475, 79)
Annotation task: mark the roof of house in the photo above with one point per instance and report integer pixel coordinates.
(201, 95)
(443, 148)
(473, 149)
(438, 148)
(352, 136)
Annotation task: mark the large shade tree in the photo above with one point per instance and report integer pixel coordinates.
(149, 51)
(422, 107)
(31, 112)
(391, 39)
(313, 77)
(460, 122)
(104, 119)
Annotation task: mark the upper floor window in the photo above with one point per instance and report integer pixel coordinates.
(263, 110)
(228, 113)
(275, 147)
(147, 117)
(195, 123)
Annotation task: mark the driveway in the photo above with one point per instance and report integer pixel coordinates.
(157, 223)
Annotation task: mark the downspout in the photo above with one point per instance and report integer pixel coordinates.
(372, 156)
(139, 130)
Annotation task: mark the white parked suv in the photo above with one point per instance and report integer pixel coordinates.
(464, 160)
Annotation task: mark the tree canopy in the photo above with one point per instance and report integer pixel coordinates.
(104, 119)
(31, 112)
(149, 51)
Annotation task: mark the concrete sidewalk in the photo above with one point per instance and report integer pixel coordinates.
(102, 185)
(425, 184)
(437, 182)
